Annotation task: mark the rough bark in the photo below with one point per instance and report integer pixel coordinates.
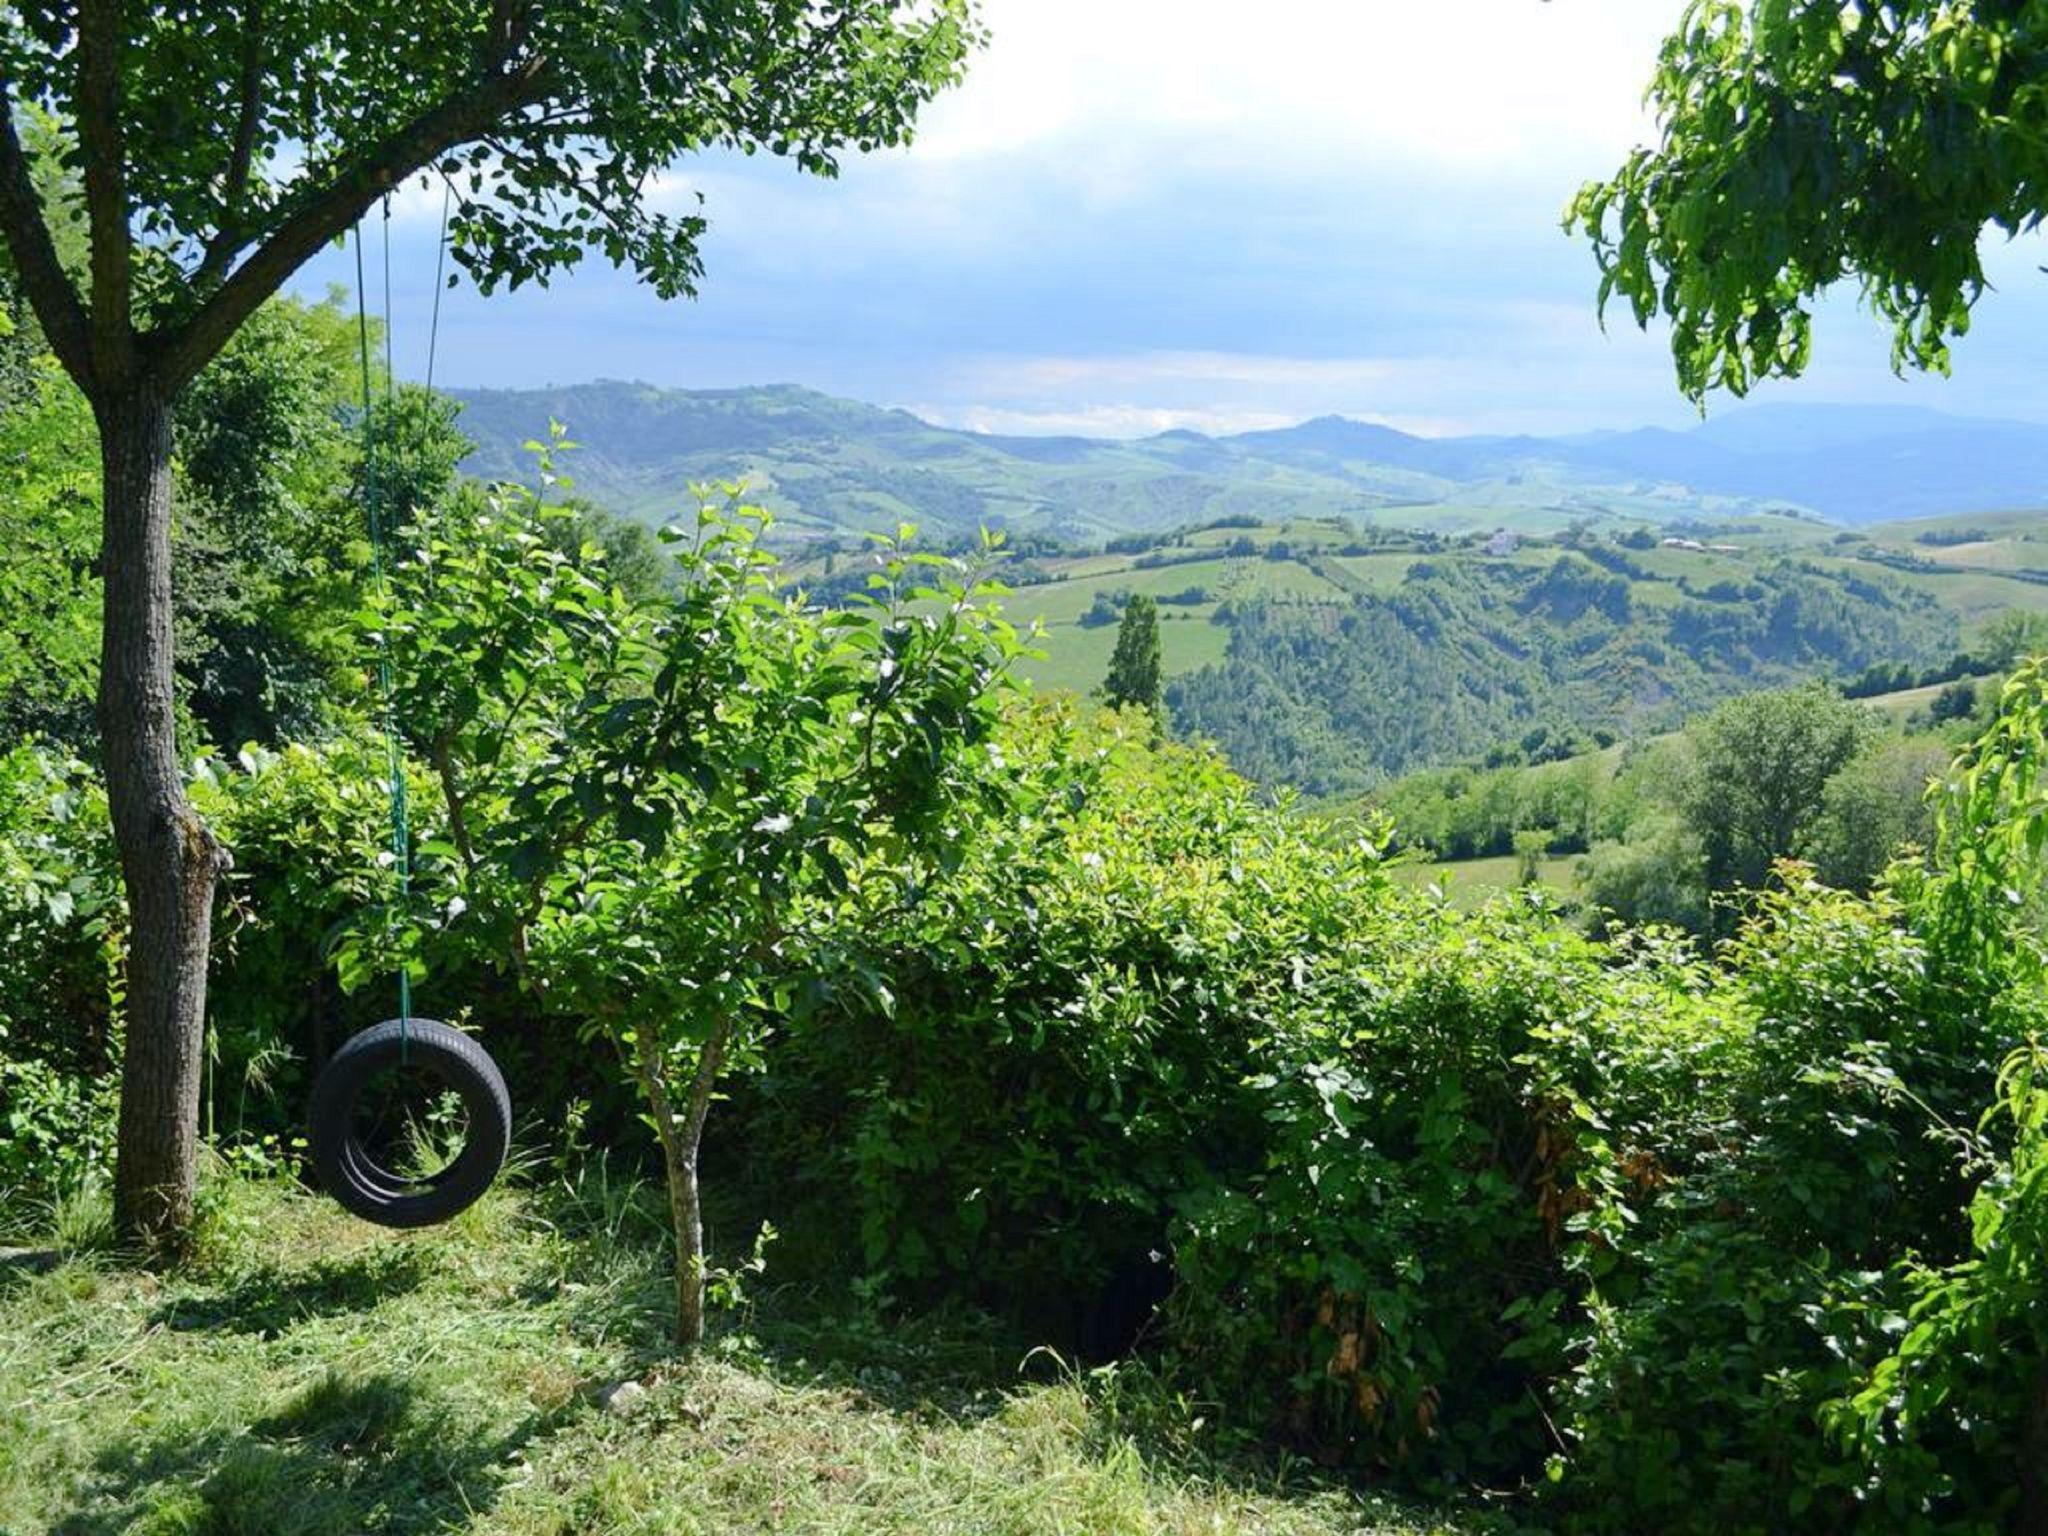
(2032, 1517)
(681, 1136)
(170, 861)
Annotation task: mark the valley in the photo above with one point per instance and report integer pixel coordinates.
(1341, 604)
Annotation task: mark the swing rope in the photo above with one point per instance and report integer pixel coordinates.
(440, 267)
(394, 750)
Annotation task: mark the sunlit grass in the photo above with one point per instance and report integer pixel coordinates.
(312, 1375)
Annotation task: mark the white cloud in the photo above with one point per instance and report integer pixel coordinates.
(1518, 367)
(1204, 369)
(1467, 85)
(1098, 420)
(1140, 215)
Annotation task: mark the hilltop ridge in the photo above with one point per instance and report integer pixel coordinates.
(829, 465)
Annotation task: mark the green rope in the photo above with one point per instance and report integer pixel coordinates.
(401, 835)
(440, 268)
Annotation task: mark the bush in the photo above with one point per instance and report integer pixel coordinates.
(61, 925)
(1385, 1290)
(1975, 1339)
(1658, 876)
(1464, 1199)
(1750, 1272)
(1058, 1050)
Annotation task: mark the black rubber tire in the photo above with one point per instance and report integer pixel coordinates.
(353, 1177)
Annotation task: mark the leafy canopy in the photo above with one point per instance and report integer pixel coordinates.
(218, 147)
(1807, 141)
(1759, 781)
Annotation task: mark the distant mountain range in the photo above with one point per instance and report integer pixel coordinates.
(831, 466)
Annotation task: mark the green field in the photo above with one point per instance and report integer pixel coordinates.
(1971, 580)
(1470, 883)
(1077, 655)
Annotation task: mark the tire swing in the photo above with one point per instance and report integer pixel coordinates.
(354, 1159)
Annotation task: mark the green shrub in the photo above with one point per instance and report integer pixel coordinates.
(1457, 1198)
(61, 924)
(999, 1088)
(1386, 1289)
(1751, 1273)
(1952, 1424)
(56, 1133)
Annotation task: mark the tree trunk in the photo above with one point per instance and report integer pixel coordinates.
(170, 861)
(2031, 1519)
(681, 1136)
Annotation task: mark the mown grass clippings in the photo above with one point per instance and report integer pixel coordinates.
(308, 1376)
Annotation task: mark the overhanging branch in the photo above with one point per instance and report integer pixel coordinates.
(328, 213)
(43, 278)
(227, 239)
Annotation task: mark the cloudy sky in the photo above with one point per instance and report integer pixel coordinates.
(1143, 214)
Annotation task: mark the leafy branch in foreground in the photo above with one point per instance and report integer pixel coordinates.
(1805, 142)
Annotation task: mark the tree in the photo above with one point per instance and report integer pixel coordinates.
(49, 589)
(1874, 807)
(1759, 777)
(1134, 676)
(1808, 141)
(216, 149)
(651, 801)
(2011, 637)
(1657, 874)
(1957, 701)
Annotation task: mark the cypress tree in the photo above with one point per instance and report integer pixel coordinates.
(1134, 676)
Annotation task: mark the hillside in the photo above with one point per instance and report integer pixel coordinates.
(1329, 657)
(1341, 602)
(829, 465)
(1466, 650)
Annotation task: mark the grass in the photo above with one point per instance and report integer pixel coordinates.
(1470, 883)
(1077, 658)
(309, 1376)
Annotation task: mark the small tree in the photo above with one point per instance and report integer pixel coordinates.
(216, 149)
(1530, 847)
(1134, 674)
(2012, 637)
(651, 803)
(1758, 782)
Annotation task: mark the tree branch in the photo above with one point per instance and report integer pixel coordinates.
(227, 239)
(48, 287)
(102, 146)
(327, 213)
(704, 1082)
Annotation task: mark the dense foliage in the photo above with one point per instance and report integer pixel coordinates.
(1334, 698)
(1664, 830)
(1803, 142)
(1448, 1198)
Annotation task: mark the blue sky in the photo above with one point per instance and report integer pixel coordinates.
(1143, 214)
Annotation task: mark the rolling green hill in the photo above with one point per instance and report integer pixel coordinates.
(828, 466)
(1328, 657)
(1340, 602)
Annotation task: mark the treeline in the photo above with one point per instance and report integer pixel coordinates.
(1336, 699)
(1665, 828)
